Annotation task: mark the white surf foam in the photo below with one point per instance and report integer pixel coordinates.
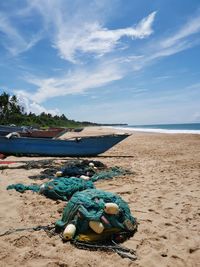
(158, 130)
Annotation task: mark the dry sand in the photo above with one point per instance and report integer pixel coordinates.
(163, 193)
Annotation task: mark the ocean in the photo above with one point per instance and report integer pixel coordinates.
(186, 128)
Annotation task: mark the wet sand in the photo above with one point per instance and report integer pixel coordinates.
(163, 193)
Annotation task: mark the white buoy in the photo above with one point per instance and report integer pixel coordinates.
(84, 177)
(91, 164)
(97, 227)
(111, 208)
(59, 173)
(69, 232)
(42, 187)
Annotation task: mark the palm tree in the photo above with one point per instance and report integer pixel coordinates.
(4, 107)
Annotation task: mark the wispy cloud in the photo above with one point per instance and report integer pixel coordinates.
(74, 34)
(73, 82)
(105, 71)
(180, 40)
(186, 37)
(95, 39)
(82, 30)
(13, 40)
(190, 28)
(80, 33)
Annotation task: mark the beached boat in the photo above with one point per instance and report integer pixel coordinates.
(81, 146)
(6, 129)
(44, 133)
(12, 128)
(36, 133)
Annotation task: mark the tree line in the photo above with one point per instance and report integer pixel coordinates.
(11, 112)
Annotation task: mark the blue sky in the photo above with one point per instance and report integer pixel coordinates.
(108, 61)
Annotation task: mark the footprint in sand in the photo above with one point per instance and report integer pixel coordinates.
(22, 241)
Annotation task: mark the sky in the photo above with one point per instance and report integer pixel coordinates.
(105, 61)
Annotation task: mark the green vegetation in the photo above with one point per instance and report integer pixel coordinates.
(12, 113)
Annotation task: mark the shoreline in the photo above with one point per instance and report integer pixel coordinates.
(151, 130)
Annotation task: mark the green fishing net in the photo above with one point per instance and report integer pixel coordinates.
(108, 174)
(63, 188)
(59, 188)
(89, 205)
(21, 187)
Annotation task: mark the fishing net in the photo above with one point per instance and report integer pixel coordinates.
(59, 188)
(72, 168)
(89, 205)
(63, 189)
(108, 174)
(94, 170)
(22, 188)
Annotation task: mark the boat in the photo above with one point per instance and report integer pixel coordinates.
(75, 146)
(36, 133)
(12, 128)
(6, 129)
(49, 133)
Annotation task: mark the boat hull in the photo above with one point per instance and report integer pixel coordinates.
(84, 146)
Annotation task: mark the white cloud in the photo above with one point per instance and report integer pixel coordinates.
(82, 33)
(179, 41)
(82, 30)
(190, 28)
(74, 30)
(83, 79)
(184, 38)
(73, 82)
(31, 106)
(96, 39)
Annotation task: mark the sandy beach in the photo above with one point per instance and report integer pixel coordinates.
(163, 193)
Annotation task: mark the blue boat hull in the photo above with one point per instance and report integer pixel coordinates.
(84, 146)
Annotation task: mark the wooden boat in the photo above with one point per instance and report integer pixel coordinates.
(12, 128)
(6, 129)
(77, 130)
(36, 133)
(81, 146)
(44, 133)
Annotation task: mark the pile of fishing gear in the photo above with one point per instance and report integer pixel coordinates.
(93, 215)
(71, 168)
(92, 219)
(76, 176)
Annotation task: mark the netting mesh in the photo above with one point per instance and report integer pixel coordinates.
(89, 205)
(59, 188)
